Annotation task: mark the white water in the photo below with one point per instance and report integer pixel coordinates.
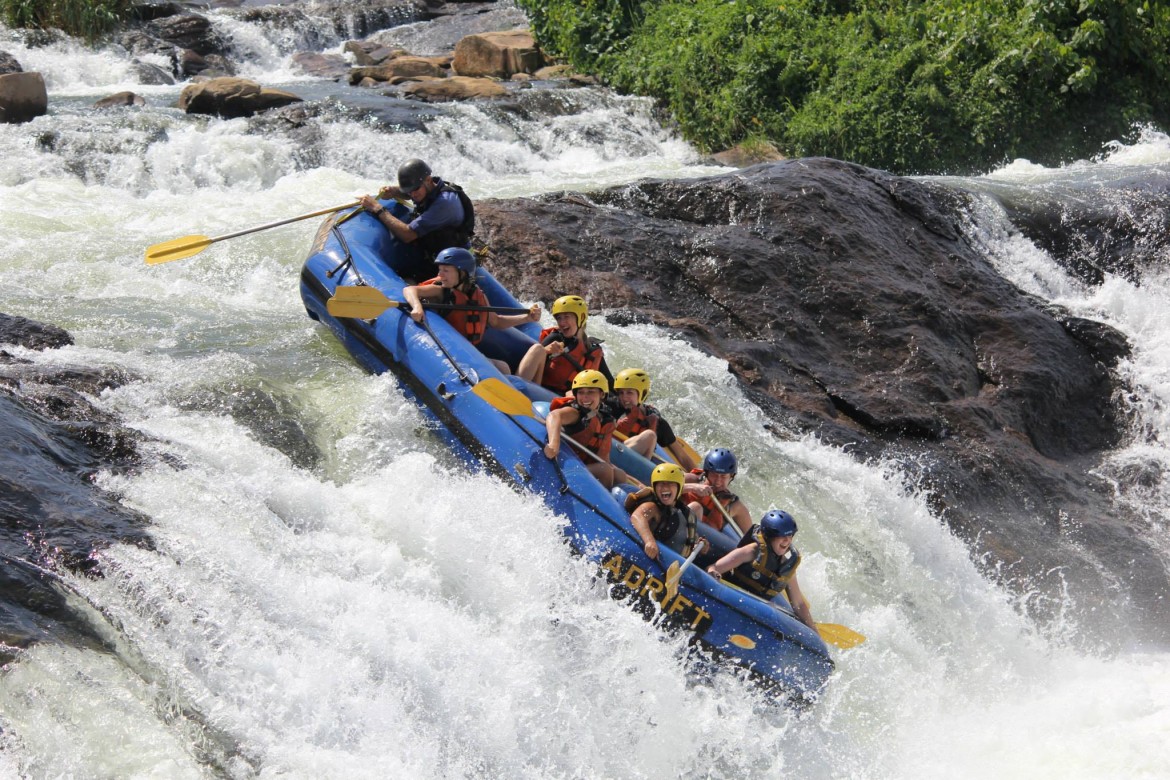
(387, 614)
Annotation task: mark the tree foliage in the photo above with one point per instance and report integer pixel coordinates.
(911, 86)
(84, 18)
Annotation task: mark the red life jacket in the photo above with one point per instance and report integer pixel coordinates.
(595, 432)
(472, 324)
(578, 356)
(642, 417)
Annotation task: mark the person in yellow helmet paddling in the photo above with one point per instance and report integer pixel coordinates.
(659, 515)
(564, 351)
(642, 424)
(584, 417)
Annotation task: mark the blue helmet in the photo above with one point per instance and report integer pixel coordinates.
(721, 460)
(458, 257)
(777, 522)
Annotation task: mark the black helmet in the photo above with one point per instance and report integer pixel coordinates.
(412, 174)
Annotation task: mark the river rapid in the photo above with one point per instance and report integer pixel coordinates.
(345, 600)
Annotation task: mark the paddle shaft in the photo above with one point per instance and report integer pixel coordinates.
(280, 222)
(179, 248)
(673, 580)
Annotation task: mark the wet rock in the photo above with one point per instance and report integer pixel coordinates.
(1093, 230)
(31, 334)
(745, 155)
(120, 99)
(232, 98)
(151, 74)
(498, 54)
(849, 304)
(150, 10)
(366, 53)
(326, 66)
(391, 112)
(9, 64)
(455, 88)
(356, 19)
(402, 68)
(189, 31)
(22, 97)
(53, 441)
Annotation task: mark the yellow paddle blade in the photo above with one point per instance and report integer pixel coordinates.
(176, 249)
(673, 575)
(357, 309)
(839, 636)
(360, 293)
(690, 451)
(504, 397)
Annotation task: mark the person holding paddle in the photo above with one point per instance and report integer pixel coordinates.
(642, 424)
(564, 351)
(443, 217)
(710, 485)
(658, 514)
(455, 285)
(765, 563)
(584, 418)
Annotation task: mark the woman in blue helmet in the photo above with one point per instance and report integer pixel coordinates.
(765, 563)
(711, 482)
(455, 284)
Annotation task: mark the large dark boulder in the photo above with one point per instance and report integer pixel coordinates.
(231, 98)
(22, 97)
(850, 305)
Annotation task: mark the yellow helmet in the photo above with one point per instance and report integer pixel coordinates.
(633, 379)
(590, 378)
(571, 304)
(668, 472)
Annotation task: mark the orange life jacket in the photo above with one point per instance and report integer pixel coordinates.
(594, 431)
(642, 417)
(578, 356)
(472, 324)
(711, 514)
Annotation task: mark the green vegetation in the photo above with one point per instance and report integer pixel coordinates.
(913, 86)
(84, 18)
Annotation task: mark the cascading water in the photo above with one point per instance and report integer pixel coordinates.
(331, 595)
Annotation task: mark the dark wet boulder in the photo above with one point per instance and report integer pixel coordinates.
(53, 441)
(232, 98)
(9, 64)
(31, 334)
(22, 97)
(850, 305)
(189, 31)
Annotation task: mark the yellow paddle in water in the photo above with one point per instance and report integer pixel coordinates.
(178, 248)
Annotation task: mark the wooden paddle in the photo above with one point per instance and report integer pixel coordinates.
(178, 248)
(364, 303)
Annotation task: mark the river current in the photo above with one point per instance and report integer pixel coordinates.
(374, 610)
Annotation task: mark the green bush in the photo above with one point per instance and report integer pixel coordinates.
(87, 19)
(930, 86)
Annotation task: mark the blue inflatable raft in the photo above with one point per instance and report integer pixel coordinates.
(489, 420)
